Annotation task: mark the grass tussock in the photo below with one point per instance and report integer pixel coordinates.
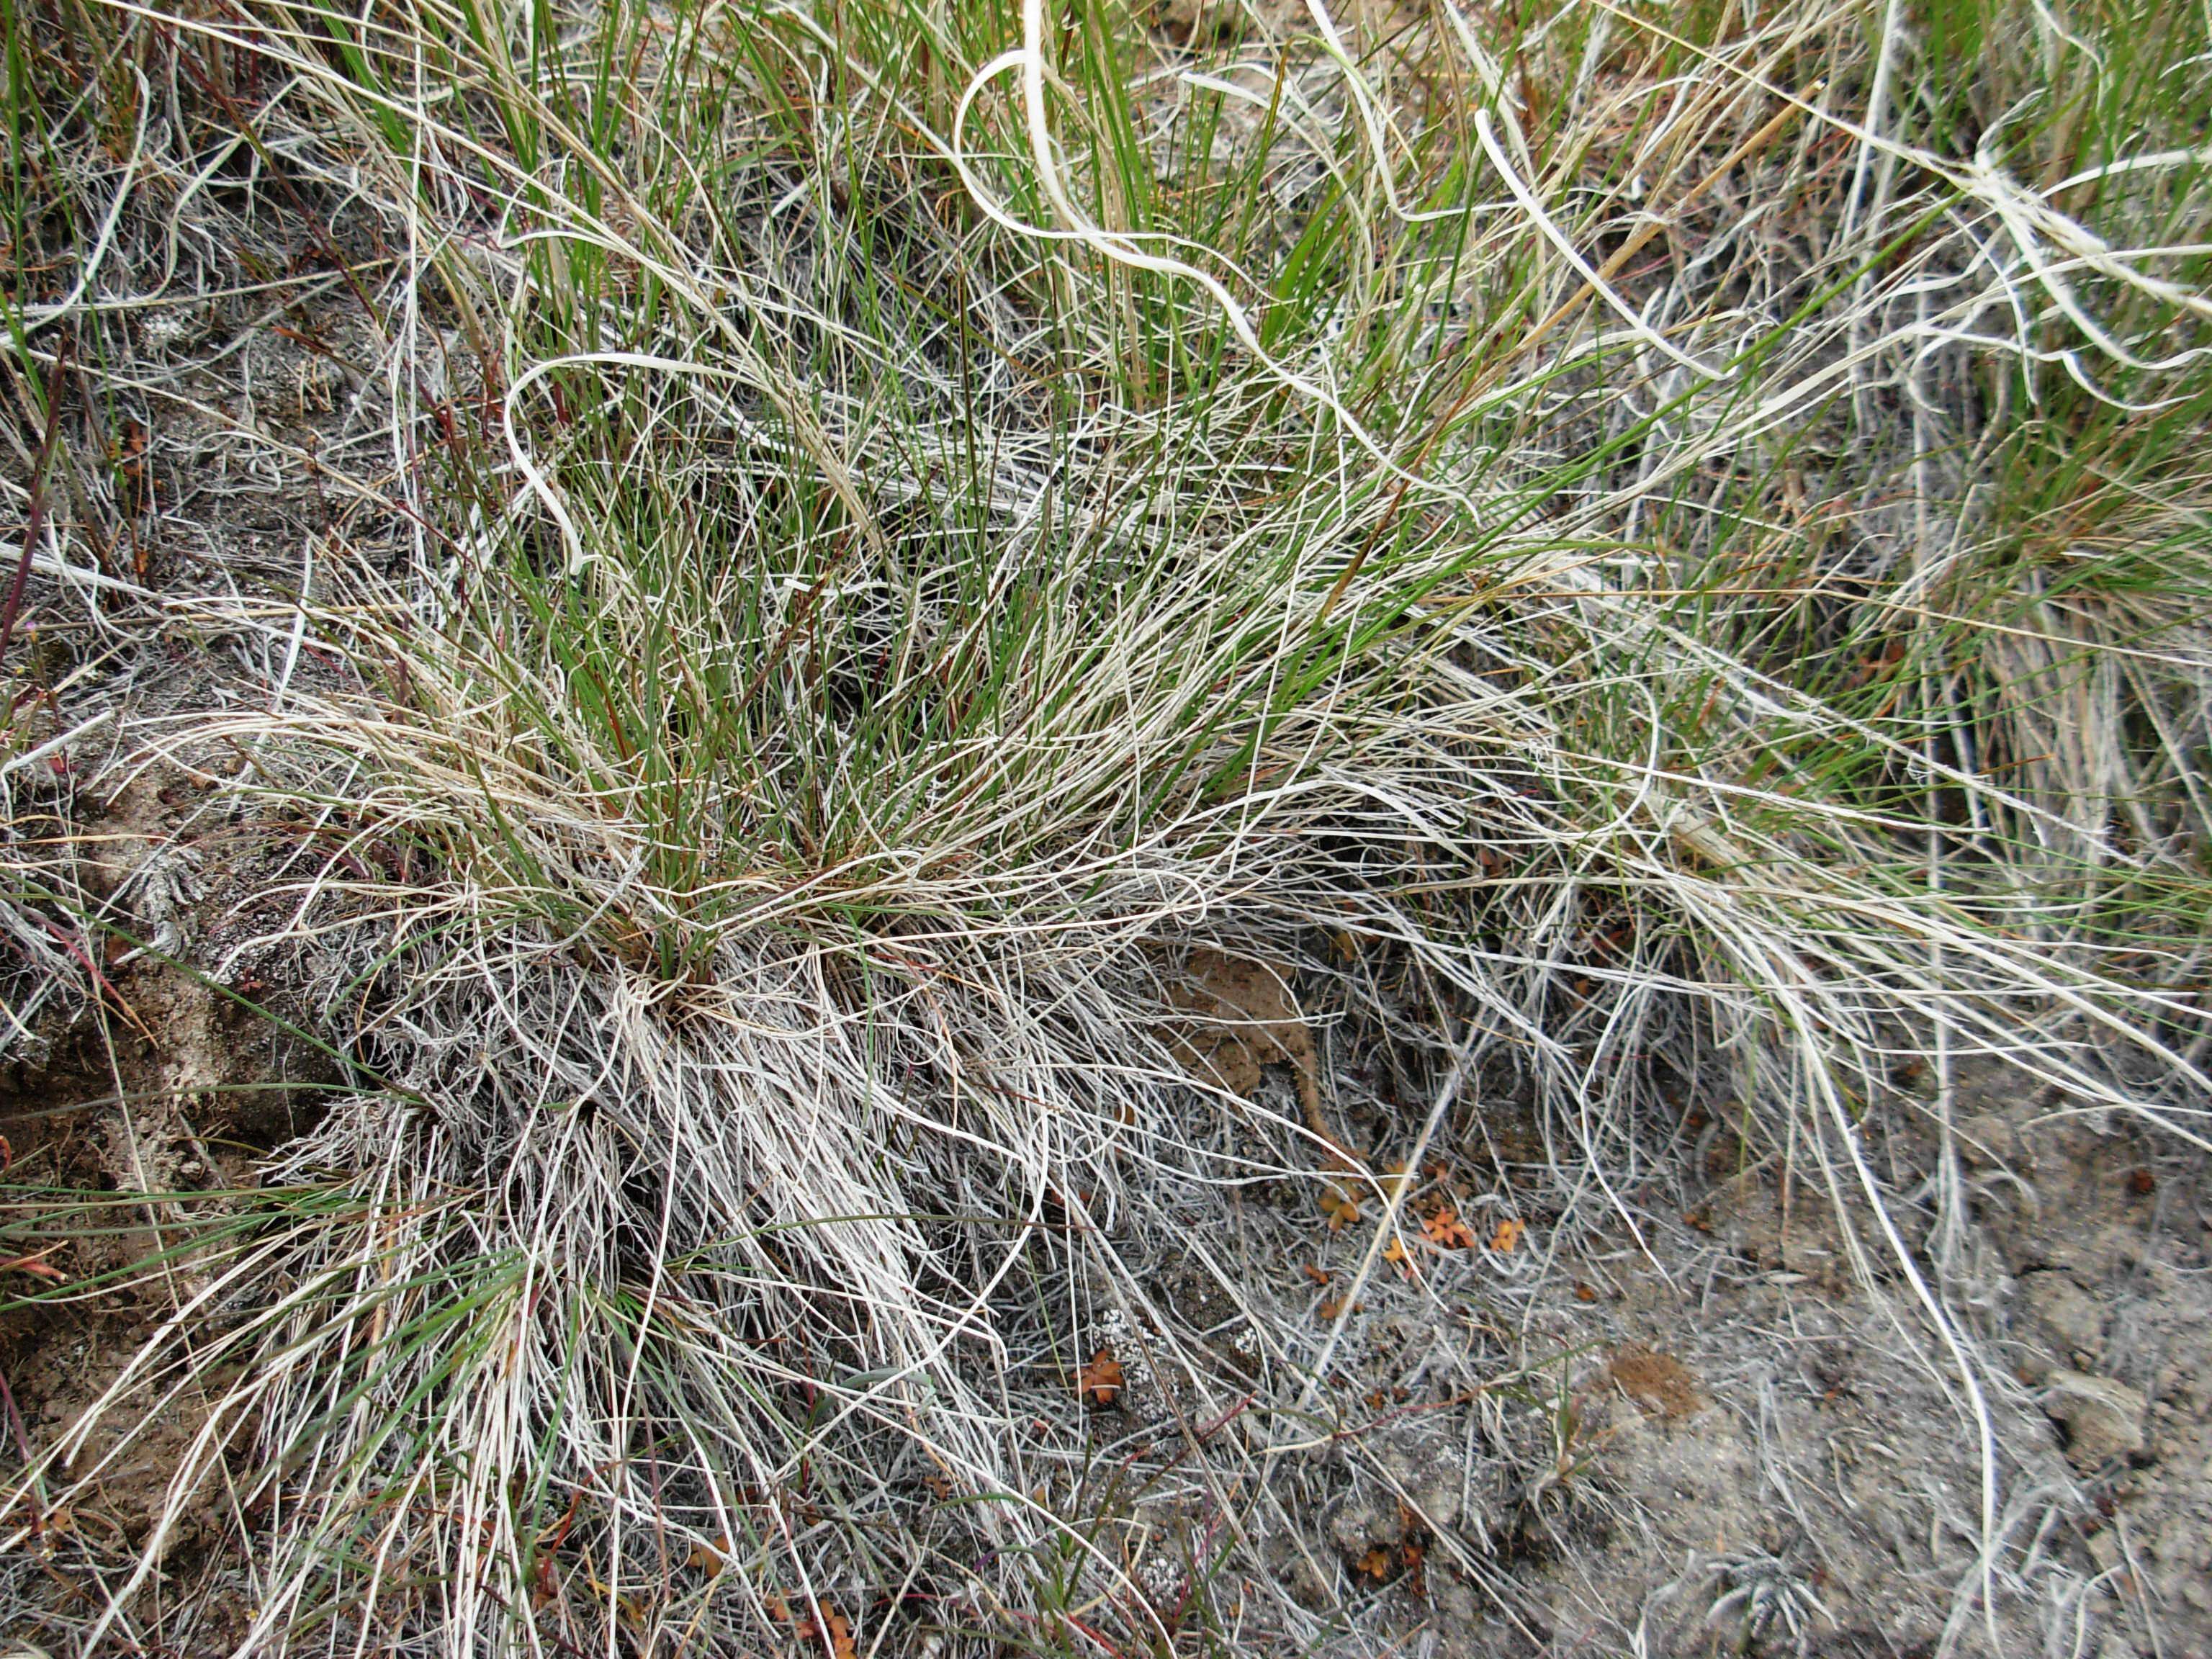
(1657, 550)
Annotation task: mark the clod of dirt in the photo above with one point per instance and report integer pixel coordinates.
(1244, 1020)
(2073, 1322)
(1407, 1490)
(1367, 1519)
(1750, 1214)
(1658, 1382)
(2103, 1419)
(1301, 1574)
(1987, 1141)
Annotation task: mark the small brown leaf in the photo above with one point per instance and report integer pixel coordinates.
(828, 1626)
(1446, 1230)
(1099, 1384)
(1507, 1236)
(1318, 1275)
(1375, 1564)
(1340, 1208)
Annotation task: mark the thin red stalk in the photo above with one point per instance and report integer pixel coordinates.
(35, 519)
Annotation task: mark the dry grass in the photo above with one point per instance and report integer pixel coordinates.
(1659, 551)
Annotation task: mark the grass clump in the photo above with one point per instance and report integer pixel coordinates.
(1658, 549)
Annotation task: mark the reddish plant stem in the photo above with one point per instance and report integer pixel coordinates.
(35, 519)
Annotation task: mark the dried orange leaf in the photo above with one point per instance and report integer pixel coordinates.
(1099, 1384)
(1375, 1564)
(831, 1627)
(1507, 1236)
(1340, 1208)
(1446, 1230)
